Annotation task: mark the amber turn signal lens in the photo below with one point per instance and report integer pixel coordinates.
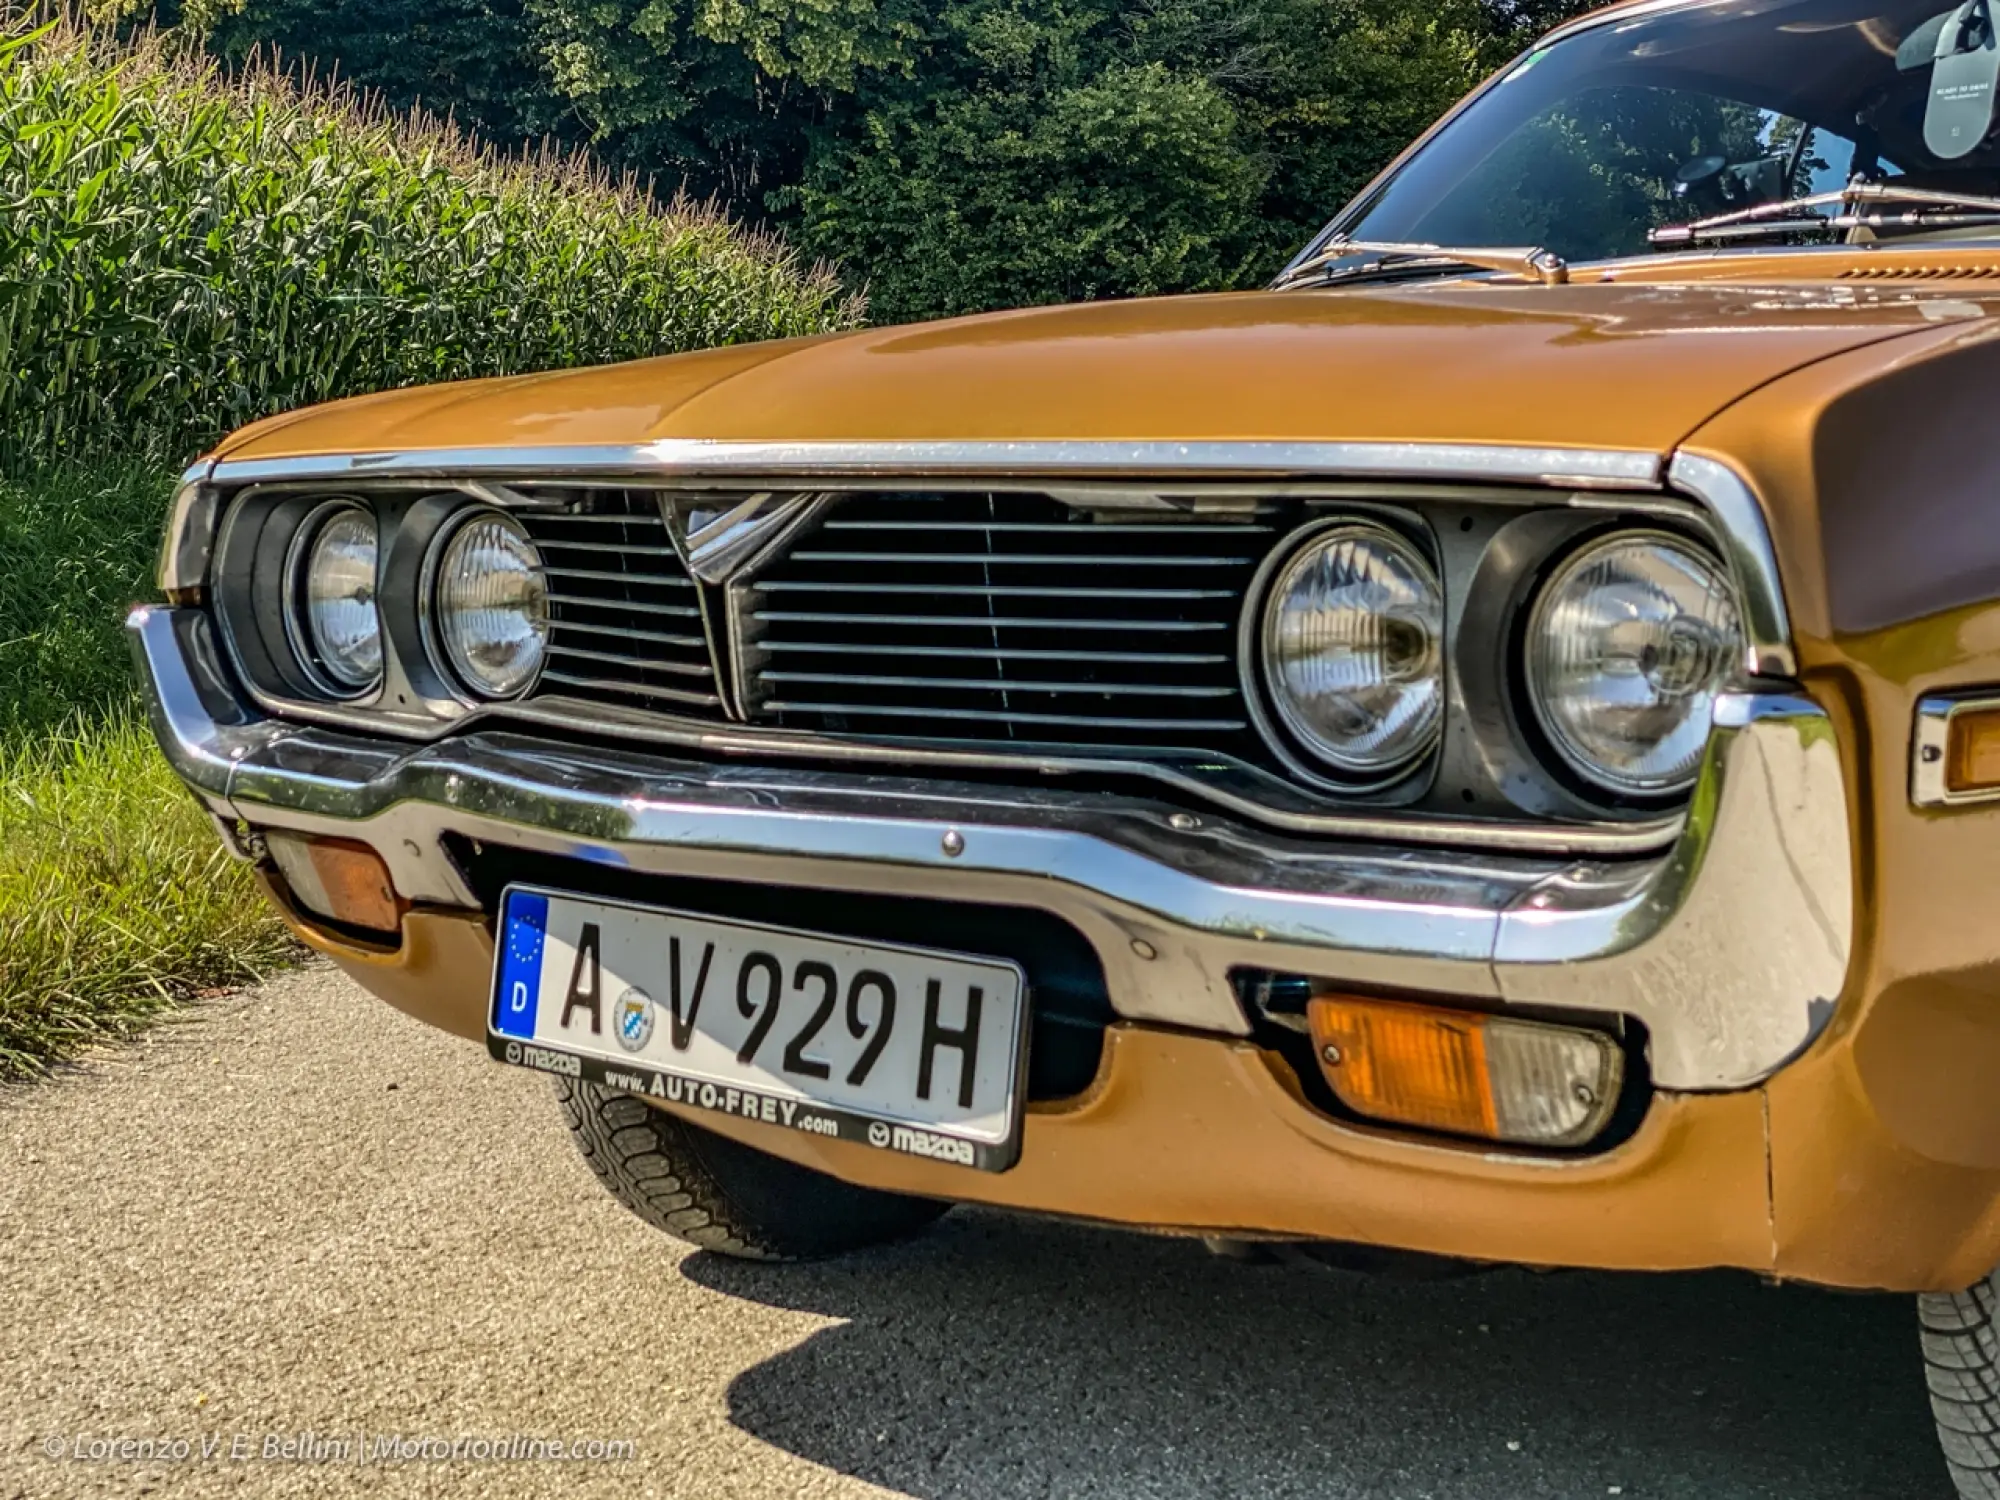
(335, 878)
(1466, 1073)
(1972, 755)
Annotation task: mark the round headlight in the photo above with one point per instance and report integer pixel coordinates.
(335, 627)
(1629, 643)
(1352, 649)
(492, 605)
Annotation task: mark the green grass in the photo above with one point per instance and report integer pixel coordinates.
(76, 547)
(117, 901)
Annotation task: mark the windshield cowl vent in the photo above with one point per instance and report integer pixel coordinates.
(1921, 273)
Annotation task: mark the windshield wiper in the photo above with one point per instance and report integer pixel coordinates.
(1530, 261)
(1786, 217)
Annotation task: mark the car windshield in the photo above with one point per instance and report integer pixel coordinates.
(1587, 145)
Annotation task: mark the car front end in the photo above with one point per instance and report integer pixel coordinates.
(1516, 989)
(1488, 747)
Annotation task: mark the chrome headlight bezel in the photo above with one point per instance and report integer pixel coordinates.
(308, 652)
(448, 655)
(1567, 753)
(1278, 716)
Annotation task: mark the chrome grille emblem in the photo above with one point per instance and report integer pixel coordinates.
(719, 540)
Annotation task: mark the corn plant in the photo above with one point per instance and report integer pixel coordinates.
(183, 250)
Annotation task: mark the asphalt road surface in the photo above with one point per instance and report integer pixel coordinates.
(296, 1217)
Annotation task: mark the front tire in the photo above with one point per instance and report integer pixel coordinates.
(1962, 1366)
(724, 1196)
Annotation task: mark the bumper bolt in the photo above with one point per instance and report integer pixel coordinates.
(1183, 821)
(953, 843)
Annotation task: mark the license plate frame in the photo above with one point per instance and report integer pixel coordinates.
(685, 1070)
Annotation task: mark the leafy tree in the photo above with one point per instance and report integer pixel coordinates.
(651, 91)
(1033, 156)
(954, 154)
(1051, 149)
(1346, 85)
(824, 43)
(473, 59)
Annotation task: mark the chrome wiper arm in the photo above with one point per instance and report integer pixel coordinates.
(1530, 261)
(1815, 223)
(1783, 216)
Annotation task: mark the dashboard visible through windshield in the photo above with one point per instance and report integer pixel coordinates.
(1587, 145)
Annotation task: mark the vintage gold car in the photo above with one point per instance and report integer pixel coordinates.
(1489, 746)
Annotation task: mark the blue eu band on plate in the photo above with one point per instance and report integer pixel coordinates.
(906, 1049)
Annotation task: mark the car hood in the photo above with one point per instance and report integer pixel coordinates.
(1602, 366)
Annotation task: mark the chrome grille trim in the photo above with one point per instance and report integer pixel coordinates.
(604, 641)
(1023, 559)
(991, 591)
(1051, 623)
(1114, 479)
(616, 549)
(1161, 658)
(603, 575)
(1030, 528)
(1010, 684)
(1145, 468)
(574, 601)
(633, 633)
(684, 668)
(982, 650)
(618, 688)
(967, 715)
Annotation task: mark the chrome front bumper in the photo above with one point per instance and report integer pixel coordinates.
(1730, 946)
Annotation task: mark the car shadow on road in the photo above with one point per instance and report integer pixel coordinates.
(1003, 1356)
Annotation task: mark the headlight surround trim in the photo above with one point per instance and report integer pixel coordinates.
(1726, 653)
(302, 635)
(1285, 725)
(450, 656)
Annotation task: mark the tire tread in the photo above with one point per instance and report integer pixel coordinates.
(720, 1195)
(1960, 1337)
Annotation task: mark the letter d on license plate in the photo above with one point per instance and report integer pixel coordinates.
(905, 1049)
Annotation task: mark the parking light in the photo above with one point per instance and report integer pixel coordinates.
(1972, 754)
(1464, 1072)
(338, 878)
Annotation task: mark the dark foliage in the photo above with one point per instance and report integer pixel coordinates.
(954, 154)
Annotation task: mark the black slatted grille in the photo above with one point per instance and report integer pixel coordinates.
(1007, 617)
(626, 622)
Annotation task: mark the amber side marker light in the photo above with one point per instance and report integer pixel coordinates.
(1972, 753)
(1524, 1082)
(335, 878)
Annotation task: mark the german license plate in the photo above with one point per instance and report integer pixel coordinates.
(905, 1049)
